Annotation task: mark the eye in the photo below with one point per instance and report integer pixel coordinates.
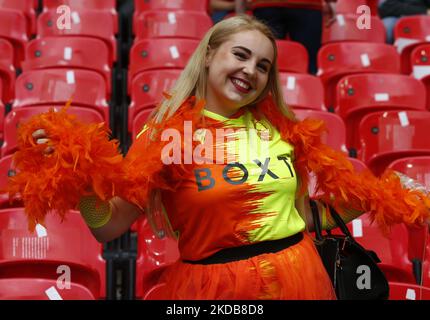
(241, 55)
(263, 67)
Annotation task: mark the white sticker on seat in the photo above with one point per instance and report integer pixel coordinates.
(171, 17)
(67, 53)
(70, 75)
(420, 72)
(174, 52)
(403, 117)
(357, 228)
(340, 19)
(410, 294)
(382, 97)
(291, 83)
(41, 231)
(75, 17)
(402, 43)
(53, 294)
(365, 61)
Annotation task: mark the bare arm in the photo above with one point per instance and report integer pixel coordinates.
(124, 214)
(304, 208)
(240, 6)
(222, 5)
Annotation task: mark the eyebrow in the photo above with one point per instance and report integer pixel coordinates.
(250, 52)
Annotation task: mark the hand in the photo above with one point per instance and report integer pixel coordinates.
(42, 138)
(330, 12)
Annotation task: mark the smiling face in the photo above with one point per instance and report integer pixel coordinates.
(238, 71)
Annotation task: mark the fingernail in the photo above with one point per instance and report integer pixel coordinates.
(38, 132)
(41, 141)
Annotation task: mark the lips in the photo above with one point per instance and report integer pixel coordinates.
(239, 87)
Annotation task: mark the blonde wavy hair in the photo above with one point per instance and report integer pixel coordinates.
(193, 79)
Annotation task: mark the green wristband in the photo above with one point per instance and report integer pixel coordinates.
(95, 211)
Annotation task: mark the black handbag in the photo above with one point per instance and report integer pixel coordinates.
(353, 270)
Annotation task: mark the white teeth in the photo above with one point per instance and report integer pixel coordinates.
(241, 84)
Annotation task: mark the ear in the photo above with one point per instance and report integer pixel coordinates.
(209, 55)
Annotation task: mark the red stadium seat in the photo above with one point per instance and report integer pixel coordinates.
(147, 90)
(56, 86)
(26, 7)
(187, 5)
(79, 5)
(390, 135)
(52, 250)
(420, 65)
(160, 54)
(409, 32)
(7, 71)
(21, 114)
(344, 28)
(406, 291)
(350, 6)
(292, 56)
(41, 289)
(153, 255)
(172, 24)
(154, 292)
(360, 94)
(302, 91)
(88, 23)
(7, 170)
(336, 132)
(70, 53)
(13, 28)
(336, 60)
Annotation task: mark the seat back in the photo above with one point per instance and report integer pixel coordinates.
(69, 52)
(302, 91)
(7, 71)
(56, 86)
(67, 245)
(390, 135)
(360, 94)
(292, 56)
(345, 28)
(147, 90)
(87, 23)
(149, 54)
(14, 29)
(336, 60)
(26, 7)
(172, 24)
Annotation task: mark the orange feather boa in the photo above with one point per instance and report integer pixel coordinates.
(86, 160)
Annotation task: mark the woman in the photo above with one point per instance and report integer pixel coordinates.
(241, 224)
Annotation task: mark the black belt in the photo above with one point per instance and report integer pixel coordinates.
(249, 251)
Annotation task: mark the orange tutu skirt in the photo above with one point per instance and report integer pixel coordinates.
(295, 273)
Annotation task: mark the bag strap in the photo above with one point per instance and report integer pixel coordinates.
(317, 222)
(341, 224)
(316, 217)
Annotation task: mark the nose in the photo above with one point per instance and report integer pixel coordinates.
(250, 69)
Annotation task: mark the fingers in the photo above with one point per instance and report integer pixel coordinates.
(40, 133)
(41, 138)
